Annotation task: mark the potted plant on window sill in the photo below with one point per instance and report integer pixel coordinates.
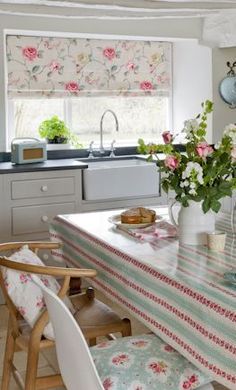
(57, 134)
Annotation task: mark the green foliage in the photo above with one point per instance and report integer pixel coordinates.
(201, 173)
(55, 128)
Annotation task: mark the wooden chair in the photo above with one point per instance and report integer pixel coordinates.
(95, 318)
(131, 362)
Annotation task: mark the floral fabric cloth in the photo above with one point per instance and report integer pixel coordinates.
(144, 363)
(152, 233)
(24, 293)
(59, 67)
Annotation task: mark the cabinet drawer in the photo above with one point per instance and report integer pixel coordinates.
(42, 187)
(35, 219)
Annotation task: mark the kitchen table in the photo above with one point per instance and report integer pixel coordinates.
(177, 291)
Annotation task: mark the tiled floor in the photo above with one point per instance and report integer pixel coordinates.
(48, 362)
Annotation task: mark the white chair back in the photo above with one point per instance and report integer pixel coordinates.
(76, 364)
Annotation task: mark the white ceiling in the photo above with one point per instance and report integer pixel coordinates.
(218, 16)
(130, 7)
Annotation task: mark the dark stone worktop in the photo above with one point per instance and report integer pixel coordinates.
(57, 160)
(48, 165)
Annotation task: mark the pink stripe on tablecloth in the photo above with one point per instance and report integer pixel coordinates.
(165, 279)
(186, 272)
(194, 324)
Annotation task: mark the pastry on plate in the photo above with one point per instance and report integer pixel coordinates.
(138, 215)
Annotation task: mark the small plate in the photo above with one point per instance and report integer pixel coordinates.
(230, 277)
(227, 90)
(115, 219)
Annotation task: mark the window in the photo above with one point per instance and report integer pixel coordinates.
(137, 116)
(78, 79)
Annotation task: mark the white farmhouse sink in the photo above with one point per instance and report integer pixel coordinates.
(118, 179)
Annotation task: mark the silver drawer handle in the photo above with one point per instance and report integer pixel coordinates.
(44, 218)
(44, 188)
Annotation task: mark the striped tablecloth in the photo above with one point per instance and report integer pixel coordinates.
(177, 291)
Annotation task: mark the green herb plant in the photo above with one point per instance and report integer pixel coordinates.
(56, 131)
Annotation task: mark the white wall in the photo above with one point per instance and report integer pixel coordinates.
(192, 81)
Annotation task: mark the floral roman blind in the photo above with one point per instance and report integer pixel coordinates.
(61, 67)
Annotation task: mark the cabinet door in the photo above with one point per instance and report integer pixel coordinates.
(41, 188)
(35, 219)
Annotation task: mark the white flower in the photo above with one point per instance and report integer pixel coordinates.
(192, 192)
(217, 145)
(192, 185)
(184, 183)
(190, 125)
(230, 130)
(200, 179)
(191, 168)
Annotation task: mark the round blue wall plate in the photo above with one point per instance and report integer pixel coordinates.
(227, 89)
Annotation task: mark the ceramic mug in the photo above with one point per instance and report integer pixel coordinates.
(216, 240)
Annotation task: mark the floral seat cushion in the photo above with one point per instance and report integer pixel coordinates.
(144, 363)
(24, 293)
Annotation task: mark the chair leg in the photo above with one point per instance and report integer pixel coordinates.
(127, 328)
(92, 342)
(8, 359)
(31, 368)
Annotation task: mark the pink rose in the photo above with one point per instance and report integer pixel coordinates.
(72, 86)
(40, 302)
(193, 378)
(130, 65)
(187, 385)
(168, 348)
(233, 154)
(30, 53)
(203, 149)
(55, 65)
(23, 278)
(167, 137)
(109, 52)
(108, 384)
(146, 85)
(171, 162)
(120, 360)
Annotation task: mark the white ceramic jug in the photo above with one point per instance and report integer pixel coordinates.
(193, 225)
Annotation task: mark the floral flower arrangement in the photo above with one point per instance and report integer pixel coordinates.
(202, 172)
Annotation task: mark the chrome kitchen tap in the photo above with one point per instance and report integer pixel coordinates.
(101, 149)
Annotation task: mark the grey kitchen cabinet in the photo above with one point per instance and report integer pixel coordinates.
(30, 200)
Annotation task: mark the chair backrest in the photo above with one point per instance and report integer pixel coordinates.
(76, 364)
(5, 263)
(64, 273)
